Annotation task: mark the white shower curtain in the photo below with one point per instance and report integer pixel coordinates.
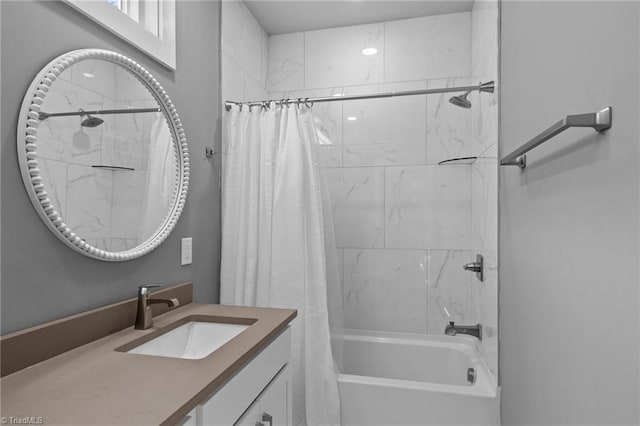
(160, 187)
(273, 242)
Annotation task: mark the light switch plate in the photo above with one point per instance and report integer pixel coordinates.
(186, 252)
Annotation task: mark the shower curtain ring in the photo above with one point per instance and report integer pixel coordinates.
(307, 103)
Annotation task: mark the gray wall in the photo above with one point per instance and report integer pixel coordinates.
(569, 231)
(41, 278)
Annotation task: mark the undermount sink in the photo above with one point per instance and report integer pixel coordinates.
(191, 340)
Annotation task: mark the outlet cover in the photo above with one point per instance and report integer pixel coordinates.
(186, 255)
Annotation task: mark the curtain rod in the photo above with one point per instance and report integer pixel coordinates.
(45, 115)
(482, 87)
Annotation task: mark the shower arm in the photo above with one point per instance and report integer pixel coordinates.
(45, 115)
(482, 87)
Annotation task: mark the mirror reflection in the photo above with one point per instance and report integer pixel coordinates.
(106, 155)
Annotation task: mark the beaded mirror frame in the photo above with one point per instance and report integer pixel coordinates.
(27, 148)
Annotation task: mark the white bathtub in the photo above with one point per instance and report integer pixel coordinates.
(410, 379)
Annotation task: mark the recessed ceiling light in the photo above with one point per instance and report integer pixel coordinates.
(369, 51)
(88, 75)
(352, 118)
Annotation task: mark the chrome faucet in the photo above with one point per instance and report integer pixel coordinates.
(472, 330)
(144, 316)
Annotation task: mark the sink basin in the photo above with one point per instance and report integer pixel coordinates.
(192, 340)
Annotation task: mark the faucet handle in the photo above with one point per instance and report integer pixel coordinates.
(143, 289)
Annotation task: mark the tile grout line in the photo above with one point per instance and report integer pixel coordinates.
(304, 60)
(426, 125)
(426, 280)
(384, 52)
(384, 207)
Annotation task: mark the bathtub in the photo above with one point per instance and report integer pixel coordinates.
(410, 379)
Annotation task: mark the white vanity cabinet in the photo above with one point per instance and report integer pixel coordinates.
(259, 393)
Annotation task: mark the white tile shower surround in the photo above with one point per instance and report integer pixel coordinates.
(428, 207)
(234, 77)
(434, 46)
(416, 291)
(245, 54)
(448, 127)
(357, 201)
(484, 123)
(411, 49)
(240, 85)
(334, 57)
(244, 58)
(387, 131)
(385, 289)
(244, 40)
(484, 239)
(388, 196)
(286, 62)
(484, 175)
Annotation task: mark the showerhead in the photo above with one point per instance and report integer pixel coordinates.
(461, 100)
(91, 121)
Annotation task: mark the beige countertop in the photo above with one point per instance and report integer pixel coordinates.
(96, 385)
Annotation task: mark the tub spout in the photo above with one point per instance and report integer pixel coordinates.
(472, 330)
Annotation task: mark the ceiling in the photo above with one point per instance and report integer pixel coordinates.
(289, 16)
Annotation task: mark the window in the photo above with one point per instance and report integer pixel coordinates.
(147, 24)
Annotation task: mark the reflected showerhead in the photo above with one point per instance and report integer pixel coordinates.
(91, 121)
(461, 100)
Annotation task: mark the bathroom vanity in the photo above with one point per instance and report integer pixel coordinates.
(243, 381)
(104, 159)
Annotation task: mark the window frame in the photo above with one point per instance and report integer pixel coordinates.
(162, 47)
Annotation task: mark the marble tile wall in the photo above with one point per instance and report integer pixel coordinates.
(403, 223)
(244, 54)
(244, 58)
(484, 172)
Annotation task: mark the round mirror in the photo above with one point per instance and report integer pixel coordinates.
(103, 154)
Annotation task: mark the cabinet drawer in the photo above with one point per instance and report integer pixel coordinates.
(228, 404)
(273, 406)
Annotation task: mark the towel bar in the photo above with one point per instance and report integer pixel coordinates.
(599, 121)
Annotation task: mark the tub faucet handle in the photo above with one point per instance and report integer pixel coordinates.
(450, 329)
(477, 267)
